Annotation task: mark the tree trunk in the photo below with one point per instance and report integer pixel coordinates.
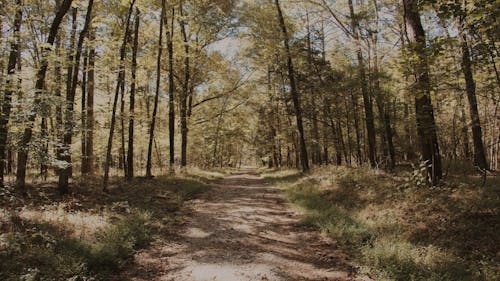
(83, 113)
(185, 91)
(10, 87)
(22, 155)
(130, 152)
(122, 162)
(171, 97)
(470, 86)
(354, 104)
(293, 91)
(121, 76)
(89, 129)
(426, 125)
(65, 173)
(158, 79)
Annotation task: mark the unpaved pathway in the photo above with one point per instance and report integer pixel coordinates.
(243, 229)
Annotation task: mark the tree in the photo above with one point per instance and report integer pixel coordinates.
(11, 86)
(22, 155)
(426, 126)
(121, 78)
(185, 90)
(470, 86)
(130, 152)
(65, 173)
(367, 100)
(157, 94)
(293, 90)
(171, 94)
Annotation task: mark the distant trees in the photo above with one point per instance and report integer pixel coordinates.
(224, 83)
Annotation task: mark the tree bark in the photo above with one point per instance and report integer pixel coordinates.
(9, 87)
(426, 125)
(293, 90)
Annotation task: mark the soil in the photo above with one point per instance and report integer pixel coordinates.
(242, 229)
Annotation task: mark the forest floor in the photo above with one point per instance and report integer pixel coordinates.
(334, 223)
(396, 228)
(242, 229)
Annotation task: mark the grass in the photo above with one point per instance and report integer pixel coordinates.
(88, 234)
(397, 230)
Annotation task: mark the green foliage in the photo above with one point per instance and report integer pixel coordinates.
(115, 245)
(45, 251)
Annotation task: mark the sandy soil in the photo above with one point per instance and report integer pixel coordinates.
(243, 229)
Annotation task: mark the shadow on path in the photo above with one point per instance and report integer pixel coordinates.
(243, 229)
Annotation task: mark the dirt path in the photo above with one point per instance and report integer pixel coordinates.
(243, 229)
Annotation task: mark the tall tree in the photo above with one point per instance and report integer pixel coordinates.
(171, 90)
(367, 100)
(293, 89)
(10, 87)
(135, 47)
(121, 78)
(470, 89)
(157, 94)
(426, 125)
(185, 89)
(65, 173)
(22, 155)
(89, 112)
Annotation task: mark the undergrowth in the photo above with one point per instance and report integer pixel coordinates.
(397, 230)
(89, 235)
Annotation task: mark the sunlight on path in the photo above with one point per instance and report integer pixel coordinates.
(243, 229)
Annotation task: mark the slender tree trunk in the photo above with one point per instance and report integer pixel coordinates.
(22, 155)
(185, 91)
(10, 87)
(65, 173)
(171, 92)
(69, 76)
(84, 85)
(122, 161)
(130, 152)
(121, 76)
(158, 79)
(89, 129)
(426, 125)
(470, 86)
(349, 134)
(354, 103)
(2, 62)
(293, 90)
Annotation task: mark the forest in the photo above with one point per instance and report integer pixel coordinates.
(249, 140)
